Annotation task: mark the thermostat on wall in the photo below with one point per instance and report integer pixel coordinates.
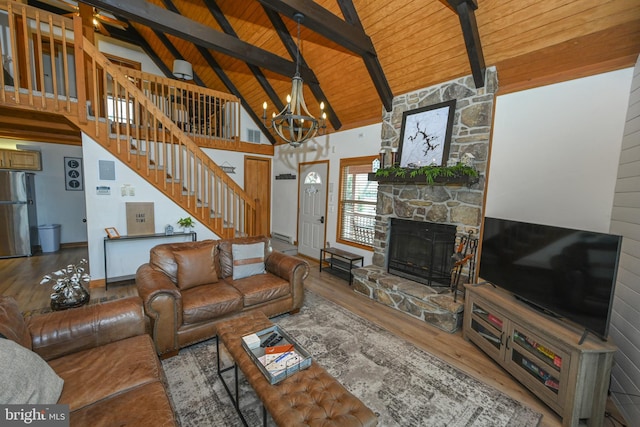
(103, 190)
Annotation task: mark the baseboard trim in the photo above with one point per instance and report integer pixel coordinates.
(74, 245)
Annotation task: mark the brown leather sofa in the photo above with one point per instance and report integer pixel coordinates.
(188, 287)
(111, 373)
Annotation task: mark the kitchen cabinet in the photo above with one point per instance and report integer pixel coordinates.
(20, 160)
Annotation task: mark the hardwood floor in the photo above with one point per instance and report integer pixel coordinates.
(449, 347)
(21, 278)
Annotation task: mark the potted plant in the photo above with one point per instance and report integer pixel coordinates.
(186, 223)
(68, 286)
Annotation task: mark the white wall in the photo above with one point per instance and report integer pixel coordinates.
(128, 51)
(555, 150)
(555, 160)
(364, 141)
(110, 211)
(55, 205)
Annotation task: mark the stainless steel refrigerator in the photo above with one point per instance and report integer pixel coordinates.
(18, 216)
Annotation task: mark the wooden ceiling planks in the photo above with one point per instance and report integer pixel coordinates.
(599, 52)
(545, 24)
(37, 126)
(419, 43)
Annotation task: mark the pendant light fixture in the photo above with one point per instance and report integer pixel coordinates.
(294, 123)
(182, 69)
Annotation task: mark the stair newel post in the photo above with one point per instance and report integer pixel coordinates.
(80, 70)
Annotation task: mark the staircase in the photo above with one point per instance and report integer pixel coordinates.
(148, 122)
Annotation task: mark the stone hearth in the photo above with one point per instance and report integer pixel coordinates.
(433, 305)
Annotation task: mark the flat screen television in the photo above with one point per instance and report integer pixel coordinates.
(569, 274)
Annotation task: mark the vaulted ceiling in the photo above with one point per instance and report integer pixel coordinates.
(358, 54)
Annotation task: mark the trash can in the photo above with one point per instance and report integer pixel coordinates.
(49, 237)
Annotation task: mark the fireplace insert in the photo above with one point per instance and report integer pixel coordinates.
(421, 251)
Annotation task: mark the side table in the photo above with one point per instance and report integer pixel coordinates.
(339, 262)
(192, 234)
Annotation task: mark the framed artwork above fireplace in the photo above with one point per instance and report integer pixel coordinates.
(425, 135)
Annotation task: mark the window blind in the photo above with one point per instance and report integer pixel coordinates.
(357, 202)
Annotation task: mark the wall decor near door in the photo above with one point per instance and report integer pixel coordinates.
(73, 174)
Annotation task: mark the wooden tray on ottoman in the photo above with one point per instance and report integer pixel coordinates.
(276, 367)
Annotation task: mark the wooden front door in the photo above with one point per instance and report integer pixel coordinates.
(257, 184)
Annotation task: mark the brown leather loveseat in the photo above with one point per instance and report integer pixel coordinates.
(188, 287)
(98, 359)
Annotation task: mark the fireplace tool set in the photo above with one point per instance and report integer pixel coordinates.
(465, 254)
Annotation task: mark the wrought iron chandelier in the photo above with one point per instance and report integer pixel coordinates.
(294, 123)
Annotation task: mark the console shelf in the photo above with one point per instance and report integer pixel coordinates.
(339, 263)
(541, 353)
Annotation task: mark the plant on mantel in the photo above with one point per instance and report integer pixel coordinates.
(431, 173)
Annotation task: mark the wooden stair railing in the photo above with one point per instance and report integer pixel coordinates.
(114, 111)
(210, 118)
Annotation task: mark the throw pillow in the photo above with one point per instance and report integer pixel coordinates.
(248, 260)
(26, 377)
(195, 267)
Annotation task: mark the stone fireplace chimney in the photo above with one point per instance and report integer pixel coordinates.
(457, 205)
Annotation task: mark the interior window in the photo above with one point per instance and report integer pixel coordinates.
(357, 202)
(312, 178)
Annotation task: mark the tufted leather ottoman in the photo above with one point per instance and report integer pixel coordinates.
(309, 397)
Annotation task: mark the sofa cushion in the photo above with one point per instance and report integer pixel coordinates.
(208, 302)
(12, 324)
(260, 289)
(248, 260)
(161, 257)
(225, 252)
(123, 365)
(147, 405)
(195, 267)
(26, 377)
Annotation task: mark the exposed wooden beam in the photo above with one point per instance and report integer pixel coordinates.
(164, 20)
(348, 34)
(224, 23)
(292, 48)
(213, 64)
(326, 23)
(370, 61)
(465, 10)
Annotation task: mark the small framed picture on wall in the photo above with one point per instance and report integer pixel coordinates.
(426, 135)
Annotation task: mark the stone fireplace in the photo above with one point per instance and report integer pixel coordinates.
(457, 206)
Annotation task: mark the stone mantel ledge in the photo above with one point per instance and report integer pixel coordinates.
(423, 302)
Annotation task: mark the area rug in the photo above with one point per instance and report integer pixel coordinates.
(402, 384)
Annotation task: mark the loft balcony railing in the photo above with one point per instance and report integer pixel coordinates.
(43, 59)
(203, 114)
(146, 121)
